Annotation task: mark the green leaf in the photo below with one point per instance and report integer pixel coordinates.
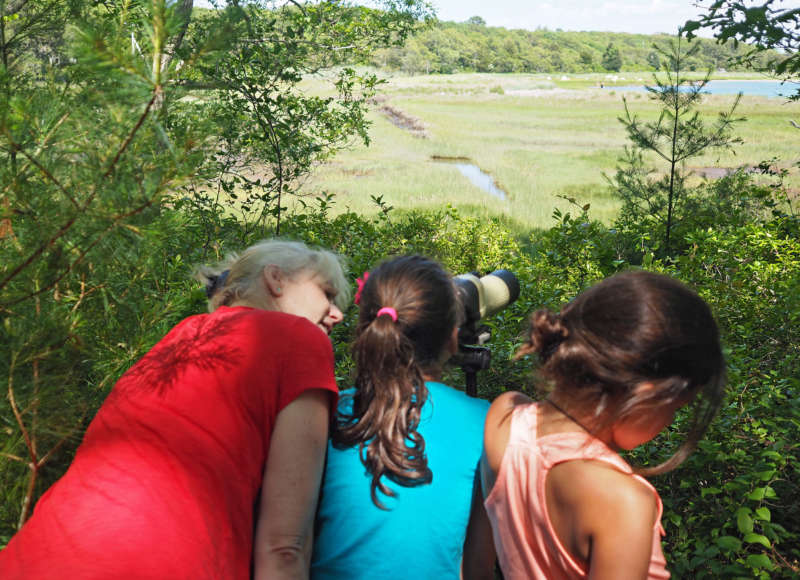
(759, 561)
(743, 520)
(763, 513)
(757, 539)
(767, 475)
(729, 543)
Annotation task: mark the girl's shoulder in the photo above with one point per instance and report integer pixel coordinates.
(599, 483)
(501, 409)
(497, 429)
(600, 513)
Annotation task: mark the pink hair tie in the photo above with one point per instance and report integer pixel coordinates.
(360, 282)
(388, 310)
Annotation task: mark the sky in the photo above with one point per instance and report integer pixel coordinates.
(636, 16)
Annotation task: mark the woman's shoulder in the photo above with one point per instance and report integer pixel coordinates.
(250, 313)
(279, 325)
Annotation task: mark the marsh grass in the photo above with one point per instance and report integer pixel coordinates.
(539, 137)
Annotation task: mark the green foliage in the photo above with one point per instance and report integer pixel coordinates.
(449, 47)
(654, 60)
(269, 131)
(659, 202)
(85, 173)
(766, 25)
(741, 485)
(112, 160)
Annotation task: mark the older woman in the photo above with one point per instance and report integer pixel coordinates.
(215, 436)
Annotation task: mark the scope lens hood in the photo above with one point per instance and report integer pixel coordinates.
(511, 281)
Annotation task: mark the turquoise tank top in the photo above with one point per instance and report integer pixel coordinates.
(421, 535)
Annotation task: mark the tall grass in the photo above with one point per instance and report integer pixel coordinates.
(539, 137)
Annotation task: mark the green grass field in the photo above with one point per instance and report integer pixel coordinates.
(539, 136)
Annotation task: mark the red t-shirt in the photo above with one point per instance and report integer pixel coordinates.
(166, 481)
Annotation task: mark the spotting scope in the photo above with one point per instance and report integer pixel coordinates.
(481, 297)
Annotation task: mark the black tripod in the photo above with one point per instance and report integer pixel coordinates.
(472, 357)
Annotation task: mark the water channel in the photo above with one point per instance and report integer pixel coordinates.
(476, 176)
(765, 88)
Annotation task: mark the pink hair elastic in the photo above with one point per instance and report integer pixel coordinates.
(360, 281)
(388, 310)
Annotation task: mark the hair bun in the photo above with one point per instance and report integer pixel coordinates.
(215, 281)
(547, 331)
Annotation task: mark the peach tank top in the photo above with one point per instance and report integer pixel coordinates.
(527, 545)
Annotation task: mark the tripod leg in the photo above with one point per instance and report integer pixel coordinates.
(471, 382)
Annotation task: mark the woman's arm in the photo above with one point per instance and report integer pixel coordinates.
(479, 557)
(290, 491)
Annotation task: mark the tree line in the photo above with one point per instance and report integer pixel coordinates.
(471, 46)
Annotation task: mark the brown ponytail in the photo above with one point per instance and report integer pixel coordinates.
(392, 357)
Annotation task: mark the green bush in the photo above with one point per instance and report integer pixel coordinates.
(730, 510)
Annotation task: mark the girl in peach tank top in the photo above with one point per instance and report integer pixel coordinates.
(518, 509)
(618, 362)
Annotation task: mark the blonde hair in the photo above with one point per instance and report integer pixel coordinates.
(238, 276)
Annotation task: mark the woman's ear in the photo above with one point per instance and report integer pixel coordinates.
(273, 280)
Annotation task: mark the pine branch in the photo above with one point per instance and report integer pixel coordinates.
(67, 226)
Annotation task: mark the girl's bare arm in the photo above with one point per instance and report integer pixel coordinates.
(603, 517)
(479, 557)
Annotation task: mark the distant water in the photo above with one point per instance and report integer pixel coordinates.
(766, 88)
(480, 179)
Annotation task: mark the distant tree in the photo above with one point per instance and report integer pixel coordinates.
(476, 20)
(612, 59)
(768, 24)
(451, 46)
(677, 135)
(654, 60)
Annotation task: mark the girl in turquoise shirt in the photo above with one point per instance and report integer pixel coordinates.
(399, 476)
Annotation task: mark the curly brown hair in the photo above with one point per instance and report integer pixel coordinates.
(392, 358)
